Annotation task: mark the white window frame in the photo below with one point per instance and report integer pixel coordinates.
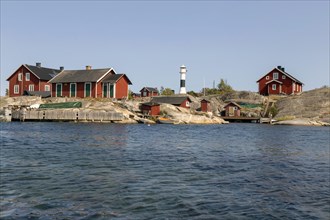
(273, 87)
(20, 76)
(283, 77)
(16, 89)
(27, 76)
(187, 103)
(144, 93)
(275, 75)
(267, 77)
(75, 92)
(31, 87)
(47, 88)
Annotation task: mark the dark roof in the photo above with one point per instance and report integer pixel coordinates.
(149, 89)
(150, 104)
(174, 100)
(285, 73)
(115, 77)
(92, 75)
(234, 103)
(206, 100)
(42, 94)
(42, 72)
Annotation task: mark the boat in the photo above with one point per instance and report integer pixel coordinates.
(165, 121)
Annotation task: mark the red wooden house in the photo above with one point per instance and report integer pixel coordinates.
(31, 79)
(150, 108)
(180, 101)
(95, 83)
(149, 92)
(277, 81)
(232, 109)
(205, 105)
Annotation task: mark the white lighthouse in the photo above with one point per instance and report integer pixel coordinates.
(183, 72)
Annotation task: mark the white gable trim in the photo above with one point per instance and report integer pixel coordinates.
(111, 69)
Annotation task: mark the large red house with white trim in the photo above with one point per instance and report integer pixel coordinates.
(95, 83)
(31, 79)
(277, 82)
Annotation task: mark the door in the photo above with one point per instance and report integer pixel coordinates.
(87, 90)
(231, 111)
(58, 90)
(72, 90)
(105, 90)
(111, 91)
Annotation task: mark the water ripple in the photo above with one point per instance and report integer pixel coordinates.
(105, 171)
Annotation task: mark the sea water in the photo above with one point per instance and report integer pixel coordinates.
(113, 171)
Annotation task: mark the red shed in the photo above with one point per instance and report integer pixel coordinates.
(205, 105)
(150, 108)
(149, 92)
(277, 81)
(233, 109)
(28, 79)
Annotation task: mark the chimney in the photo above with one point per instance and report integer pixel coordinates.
(283, 69)
(88, 67)
(279, 67)
(61, 68)
(38, 64)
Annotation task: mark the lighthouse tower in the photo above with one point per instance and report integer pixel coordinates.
(183, 72)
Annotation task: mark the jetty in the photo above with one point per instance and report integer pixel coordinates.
(262, 120)
(76, 115)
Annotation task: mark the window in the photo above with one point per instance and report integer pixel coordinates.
(31, 87)
(144, 93)
(73, 89)
(58, 90)
(267, 77)
(47, 87)
(274, 87)
(27, 76)
(16, 89)
(283, 76)
(275, 75)
(20, 77)
(88, 89)
(187, 103)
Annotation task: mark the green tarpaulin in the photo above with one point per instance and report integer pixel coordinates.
(62, 105)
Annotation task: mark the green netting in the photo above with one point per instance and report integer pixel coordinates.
(248, 105)
(62, 105)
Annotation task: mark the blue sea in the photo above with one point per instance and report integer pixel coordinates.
(57, 170)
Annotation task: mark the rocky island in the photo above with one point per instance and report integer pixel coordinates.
(308, 108)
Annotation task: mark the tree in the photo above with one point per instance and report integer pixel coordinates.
(209, 91)
(224, 87)
(167, 91)
(192, 93)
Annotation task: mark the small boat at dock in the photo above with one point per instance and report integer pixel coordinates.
(162, 120)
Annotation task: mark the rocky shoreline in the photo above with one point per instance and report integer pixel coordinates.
(311, 108)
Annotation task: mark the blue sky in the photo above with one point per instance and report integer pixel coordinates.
(235, 40)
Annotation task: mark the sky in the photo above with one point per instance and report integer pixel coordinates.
(239, 41)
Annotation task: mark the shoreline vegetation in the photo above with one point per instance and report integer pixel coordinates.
(310, 108)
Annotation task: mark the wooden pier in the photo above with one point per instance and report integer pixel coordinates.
(247, 119)
(66, 115)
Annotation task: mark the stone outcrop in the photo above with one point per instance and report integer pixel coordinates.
(309, 108)
(185, 116)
